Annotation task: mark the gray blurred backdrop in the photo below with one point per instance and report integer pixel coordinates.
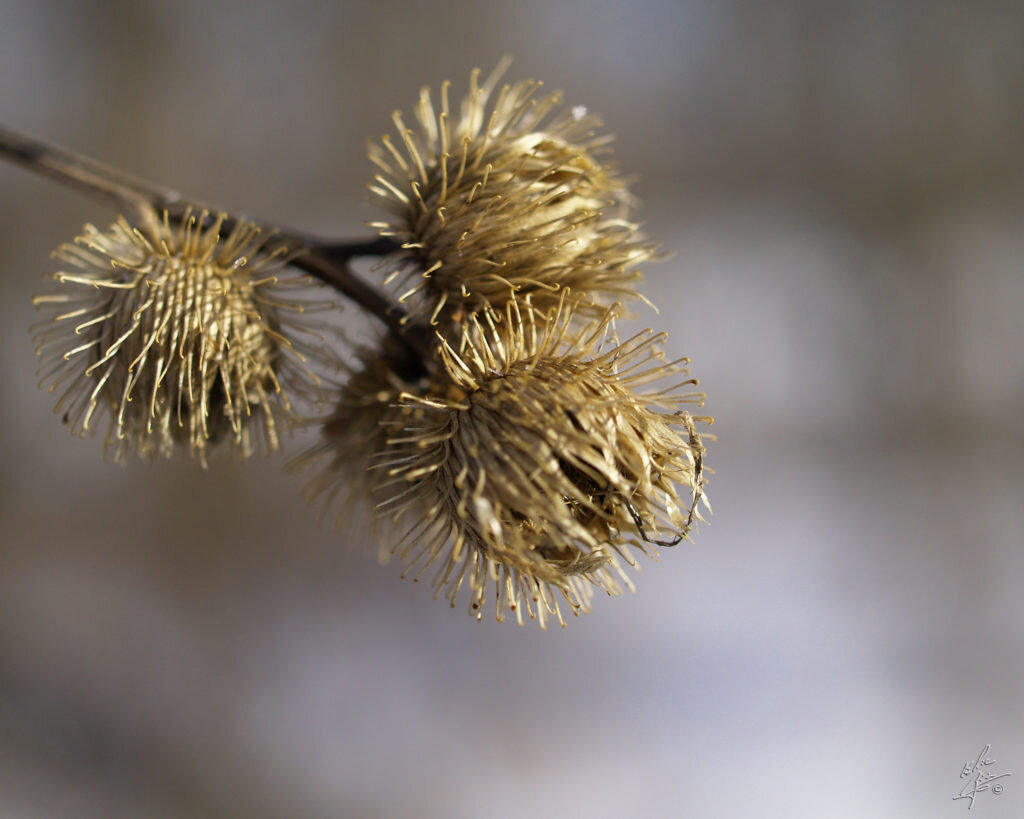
(842, 189)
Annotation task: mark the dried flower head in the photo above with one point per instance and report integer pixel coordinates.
(536, 462)
(180, 333)
(512, 197)
(366, 407)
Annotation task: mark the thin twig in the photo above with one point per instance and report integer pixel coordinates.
(143, 203)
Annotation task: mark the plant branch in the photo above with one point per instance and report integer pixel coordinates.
(142, 203)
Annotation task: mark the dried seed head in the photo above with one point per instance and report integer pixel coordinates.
(356, 432)
(539, 462)
(514, 196)
(182, 335)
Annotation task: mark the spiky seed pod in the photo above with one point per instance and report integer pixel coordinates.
(540, 460)
(515, 196)
(183, 335)
(356, 432)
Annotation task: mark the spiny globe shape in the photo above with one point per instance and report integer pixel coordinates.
(540, 459)
(355, 434)
(181, 334)
(514, 197)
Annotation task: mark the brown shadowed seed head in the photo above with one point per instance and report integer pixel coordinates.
(365, 408)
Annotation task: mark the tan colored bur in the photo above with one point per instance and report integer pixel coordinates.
(540, 459)
(506, 196)
(181, 336)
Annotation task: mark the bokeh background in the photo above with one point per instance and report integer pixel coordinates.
(842, 189)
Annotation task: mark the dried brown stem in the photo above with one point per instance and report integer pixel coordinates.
(141, 203)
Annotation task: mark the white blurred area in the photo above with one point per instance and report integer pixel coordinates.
(841, 187)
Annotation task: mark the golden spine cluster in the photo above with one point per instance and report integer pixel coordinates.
(511, 199)
(181, 336)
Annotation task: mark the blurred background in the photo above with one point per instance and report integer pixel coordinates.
(842, 189)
